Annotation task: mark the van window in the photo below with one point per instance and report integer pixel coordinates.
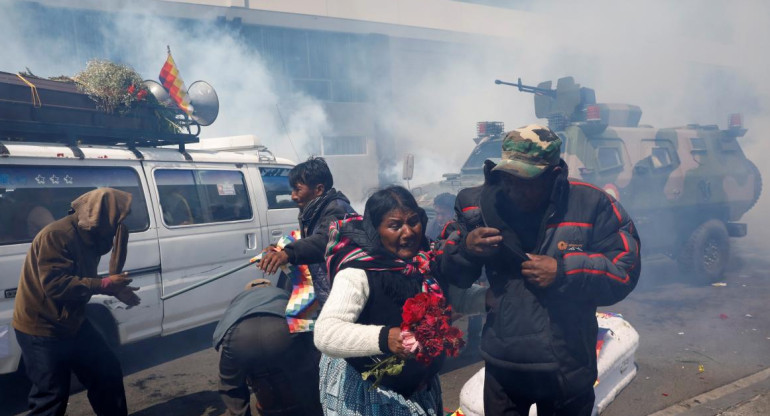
(33, 196)
(189, 196)
(277, 188)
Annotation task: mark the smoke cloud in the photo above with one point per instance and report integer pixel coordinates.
(681, 62)
(290, 124)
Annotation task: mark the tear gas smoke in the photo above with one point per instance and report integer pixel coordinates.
(683, 62)
(250, 101)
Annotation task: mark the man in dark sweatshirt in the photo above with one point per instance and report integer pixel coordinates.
(58, 278)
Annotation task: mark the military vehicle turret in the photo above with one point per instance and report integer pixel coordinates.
(686, 187)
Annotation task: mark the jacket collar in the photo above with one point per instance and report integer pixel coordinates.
(491, 191)
(315, 207)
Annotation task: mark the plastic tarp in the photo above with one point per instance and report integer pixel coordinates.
(616, 348)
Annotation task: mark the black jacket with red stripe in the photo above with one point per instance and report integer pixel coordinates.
(551, 330)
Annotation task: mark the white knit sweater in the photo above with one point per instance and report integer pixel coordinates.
(336, 334)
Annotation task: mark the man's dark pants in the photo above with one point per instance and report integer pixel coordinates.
(281, 368)
(511, 393)
(49, 362)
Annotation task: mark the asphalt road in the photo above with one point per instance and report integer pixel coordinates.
(682, 326)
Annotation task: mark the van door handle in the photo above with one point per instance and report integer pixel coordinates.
(251, 241)
(276, 233)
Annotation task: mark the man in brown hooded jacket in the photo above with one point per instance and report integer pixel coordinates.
(57, 279)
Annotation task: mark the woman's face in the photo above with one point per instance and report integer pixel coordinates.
(401, 233)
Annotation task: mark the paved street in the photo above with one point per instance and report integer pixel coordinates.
(682, 326)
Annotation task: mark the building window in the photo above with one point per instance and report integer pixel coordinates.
(324, 65)
(317, 89)
(344, 145)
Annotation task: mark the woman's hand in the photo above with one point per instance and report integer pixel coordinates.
(395, 343)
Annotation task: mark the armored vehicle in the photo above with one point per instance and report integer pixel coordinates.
(686, 187)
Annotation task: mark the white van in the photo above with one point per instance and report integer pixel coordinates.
(195, 214)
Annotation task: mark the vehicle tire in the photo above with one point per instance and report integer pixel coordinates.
(104, 324)
(706, 253)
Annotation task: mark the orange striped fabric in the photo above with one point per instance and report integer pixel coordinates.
(173, 83)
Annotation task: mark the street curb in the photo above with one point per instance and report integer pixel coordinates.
(721, 397)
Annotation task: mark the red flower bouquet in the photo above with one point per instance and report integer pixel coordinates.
(425, 332)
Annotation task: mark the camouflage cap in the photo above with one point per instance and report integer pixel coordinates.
(528, 151)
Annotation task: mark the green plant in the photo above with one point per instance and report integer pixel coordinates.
(114, 87)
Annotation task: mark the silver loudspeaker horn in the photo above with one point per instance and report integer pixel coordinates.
(204, 101)
(160, 93)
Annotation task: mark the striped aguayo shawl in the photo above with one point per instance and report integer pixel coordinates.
(349, 246)
(302, 308)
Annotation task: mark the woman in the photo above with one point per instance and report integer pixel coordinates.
(376, 265)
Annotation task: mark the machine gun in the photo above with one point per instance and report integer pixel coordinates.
(561, 106)
(528, 88)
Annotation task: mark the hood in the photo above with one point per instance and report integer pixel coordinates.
(99, 216)
(101, 210)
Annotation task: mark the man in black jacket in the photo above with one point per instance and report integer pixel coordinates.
(319, 204)
(553, 250)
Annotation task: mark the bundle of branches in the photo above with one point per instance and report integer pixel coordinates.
(112, 86)
(115, 87)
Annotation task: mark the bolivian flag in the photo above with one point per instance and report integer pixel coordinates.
(173, 83)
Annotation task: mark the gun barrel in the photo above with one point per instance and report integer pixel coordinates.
(498, 82)
(528, 88)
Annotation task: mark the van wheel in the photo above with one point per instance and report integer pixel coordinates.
(706, 253)
(104, 324)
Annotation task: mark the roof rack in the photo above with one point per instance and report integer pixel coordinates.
(42, 110)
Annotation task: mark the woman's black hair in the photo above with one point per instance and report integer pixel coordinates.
(312, 172)
(387, 199)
